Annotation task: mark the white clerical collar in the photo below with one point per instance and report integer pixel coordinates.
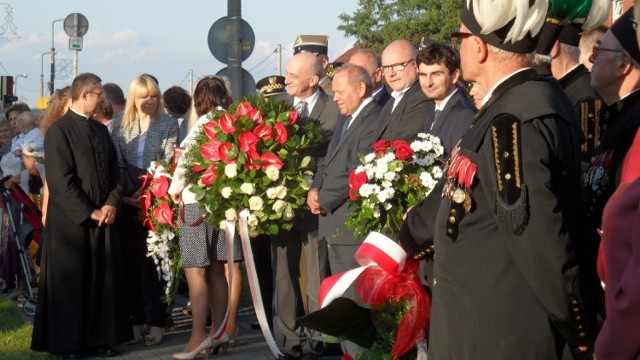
(570, 70)
(489, 93)
(311, 100)
(86, 117)
(443, 103)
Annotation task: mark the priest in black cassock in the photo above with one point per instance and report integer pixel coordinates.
(80, 309)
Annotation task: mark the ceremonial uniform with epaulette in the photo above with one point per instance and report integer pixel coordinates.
(588, 105)
(505, 276)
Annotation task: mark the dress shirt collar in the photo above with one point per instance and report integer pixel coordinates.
(490, 92)
(86, 117)
(444, 102)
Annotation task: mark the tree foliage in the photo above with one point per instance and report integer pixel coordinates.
(376, 23)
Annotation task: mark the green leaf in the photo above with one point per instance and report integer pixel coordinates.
(344, 319)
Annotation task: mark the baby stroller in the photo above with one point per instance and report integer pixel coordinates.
(25, 226)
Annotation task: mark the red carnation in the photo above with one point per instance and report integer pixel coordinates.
(223, 153)
(159, 186)
(247, 141)
(227, 123)
(209, 175)
(293, 117)
(281, 133)
(255, 115)
(403, 151)
(380, 146)
(163, 214)
(196, 167)
(269, 159)
(244, 108)
(263, 131)
(209, 150)
(210, 129)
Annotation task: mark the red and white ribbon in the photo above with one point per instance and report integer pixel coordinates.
(376, 251)
(254, 285)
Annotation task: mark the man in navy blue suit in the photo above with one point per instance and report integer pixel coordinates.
(439, 72)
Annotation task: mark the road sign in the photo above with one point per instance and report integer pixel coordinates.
(248, 84)
(76, 25)
(75, 43)
(218, 39)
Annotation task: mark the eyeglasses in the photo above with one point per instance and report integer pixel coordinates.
(597, 49)
(458, 36)
(96, 93)
(396, 67)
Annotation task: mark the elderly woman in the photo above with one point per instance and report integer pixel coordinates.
(144, 134)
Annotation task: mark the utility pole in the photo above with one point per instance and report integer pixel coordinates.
(234, 48)
(53, 57)
(191, 82)
(279, 52)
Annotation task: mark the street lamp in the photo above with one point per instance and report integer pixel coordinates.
(42, 73)
(53, 56)
(15, 83)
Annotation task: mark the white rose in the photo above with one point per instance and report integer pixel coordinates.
(281, 192)
(222, 225)
(231, 214)
(272, 173)
(252, 220)
(288, 215)
(272, 193)
(279, 206)
(255, 203)
(231, 170)
(248, 188)
(226, 192)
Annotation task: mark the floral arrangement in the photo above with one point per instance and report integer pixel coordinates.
(391, 319)
(258, 156)
(158, 214)
(392, 179)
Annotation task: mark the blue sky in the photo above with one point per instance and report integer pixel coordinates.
(164, 38)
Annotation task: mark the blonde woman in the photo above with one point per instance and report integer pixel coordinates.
(144, 134)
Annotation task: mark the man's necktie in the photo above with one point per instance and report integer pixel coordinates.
(435, 118)
(302, 108)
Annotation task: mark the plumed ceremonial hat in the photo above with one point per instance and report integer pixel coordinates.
(316, 44)
(623, 30)
(511, 25)
(271, 85)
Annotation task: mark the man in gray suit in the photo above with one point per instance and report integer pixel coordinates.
(304, 72)
(439, 72)
(371, 62)
(403, 116)
(330, 190)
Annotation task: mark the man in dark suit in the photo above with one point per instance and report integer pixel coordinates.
(304, 71)
(330, 190)
(403, 116)
(370, 61)
(439, 72)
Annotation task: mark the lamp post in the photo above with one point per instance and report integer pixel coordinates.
(42, 72)
(53, 56)
(15, 83)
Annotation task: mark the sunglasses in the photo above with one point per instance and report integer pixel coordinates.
(597, 49)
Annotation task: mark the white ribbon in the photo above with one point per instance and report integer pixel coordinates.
(254, 285)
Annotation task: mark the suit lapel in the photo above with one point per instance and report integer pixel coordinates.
(319, 106)
(437, 127)
(357, 123)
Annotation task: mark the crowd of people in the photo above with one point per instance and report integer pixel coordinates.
(535, 228)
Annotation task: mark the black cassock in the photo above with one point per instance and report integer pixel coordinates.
(80, 300)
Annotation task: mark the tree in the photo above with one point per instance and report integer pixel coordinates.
(378, 22)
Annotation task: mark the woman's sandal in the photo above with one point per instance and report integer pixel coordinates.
(139, 332)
